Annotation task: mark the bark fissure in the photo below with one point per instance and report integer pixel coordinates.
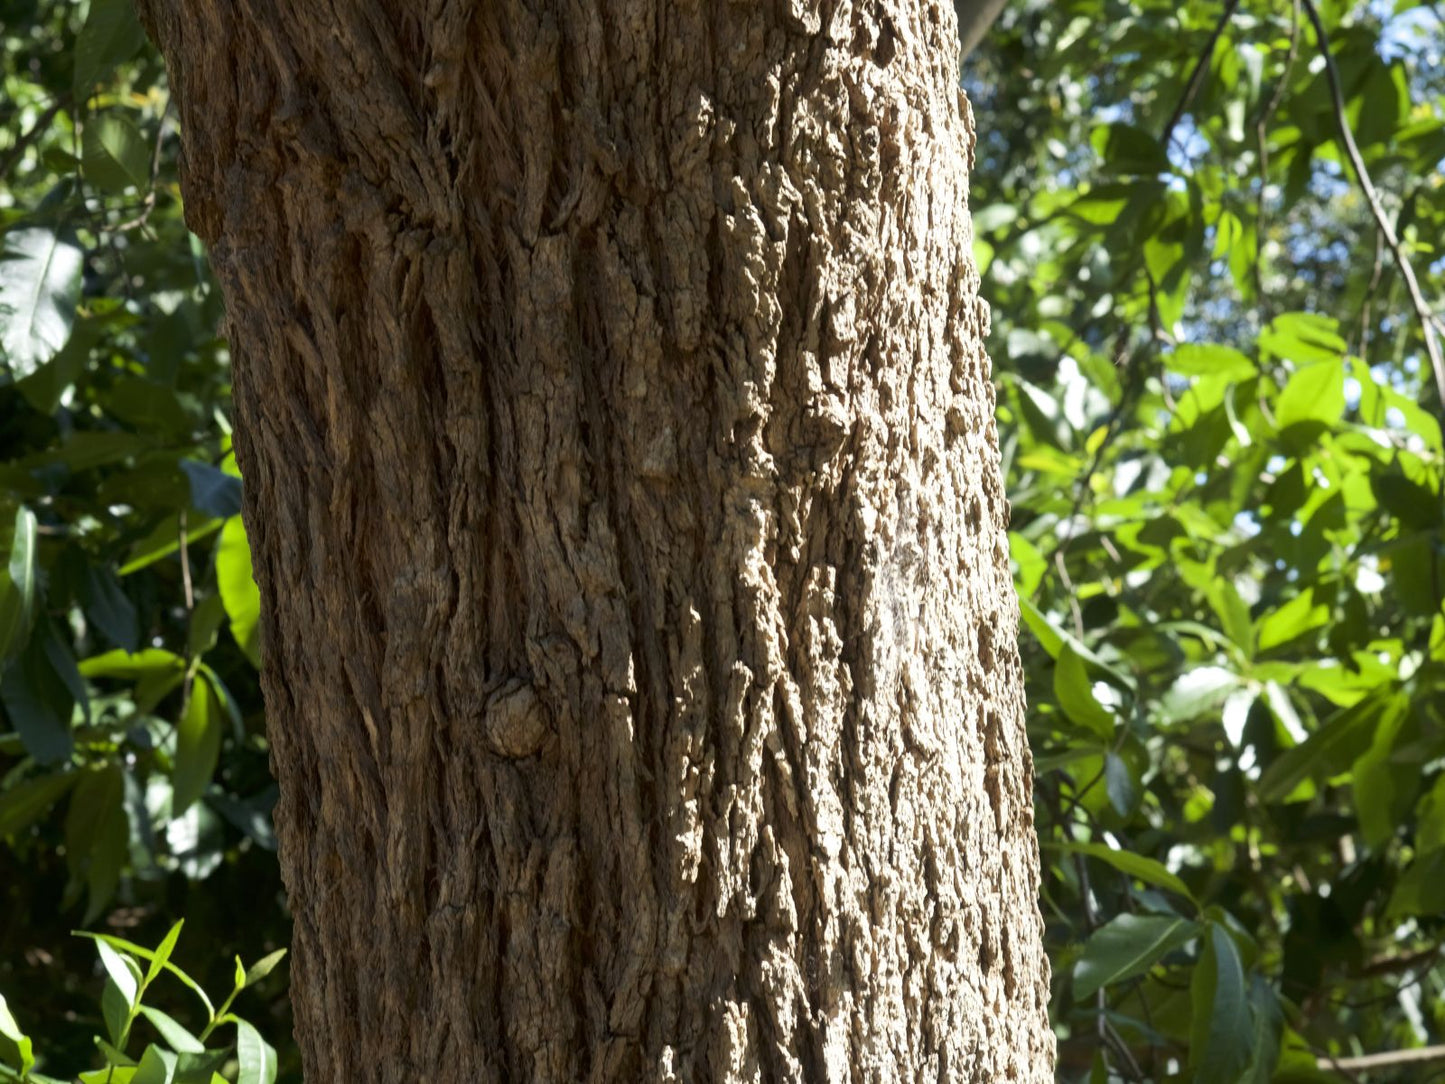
(624, 492)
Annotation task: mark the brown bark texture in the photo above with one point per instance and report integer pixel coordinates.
(624, 492)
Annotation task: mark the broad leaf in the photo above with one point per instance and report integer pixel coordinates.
(39, 286)
(1127, 946)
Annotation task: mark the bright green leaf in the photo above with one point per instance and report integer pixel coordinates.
(24, 1048)
(1315, 393)
(156, 1066)
(263, 967)
(18, 578)
(1075, 694)
(175, 1035)
(1210, 360)
(198, 746)
(257, 1058)
(238, 587)
(39, 287)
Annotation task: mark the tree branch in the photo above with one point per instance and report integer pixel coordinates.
(1196, 77)
(1386, 1059)
(1347, 137)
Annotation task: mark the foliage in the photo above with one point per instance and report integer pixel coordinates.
(179, 1056)
(1223, 450)
(1221, 432)
(133, 777)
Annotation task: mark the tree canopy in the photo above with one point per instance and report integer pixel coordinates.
(1210, 237)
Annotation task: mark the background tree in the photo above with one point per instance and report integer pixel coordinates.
(1154, 474)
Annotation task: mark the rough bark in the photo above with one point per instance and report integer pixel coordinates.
(624, 491)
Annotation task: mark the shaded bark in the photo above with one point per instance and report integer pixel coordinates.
(625, 502)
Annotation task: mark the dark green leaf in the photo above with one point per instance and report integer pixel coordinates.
(213, 491)
(111, 35)
(116, 155)
(1127, 946)
(109, 608)
(1222, 1033)
(38, 699)
(1135, 865)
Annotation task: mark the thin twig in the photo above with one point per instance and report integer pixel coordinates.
(148, 203)
(41, 124)
(1196, 77)
(1386, 1059)
(1367, 306)
(1417, 298)
(1261, 132)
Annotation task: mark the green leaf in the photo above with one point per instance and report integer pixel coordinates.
(201, 1068)
(109, 609)
(163, 952)
(111, 35)
(1075, 694)
(1304, 338)
(157, 1066)
(1265, 1011)
(257, 1058)
(1135, 865)
(1296, 617)
(1210, 360)
(148, 954)
(1334, 747)
(175, 1035)
(122, 970)
(198, 746)
(115, 156)
(97, 835)
(1384, 791)
(25, 1051)
(39, 698)
(263, 967)
(213, 491)
(1128, 150)
(164, 541)
(46, 386)
(1315, 393)
(25, 803)
(1233, 612)
(18, 577)
(1127, 946)
(1197, 692)
(1222, 1032)
(39, 288)
(1421, 888)
(1430, 823)
(238, 587)
(139, 664)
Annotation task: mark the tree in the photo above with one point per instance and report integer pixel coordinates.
(624, 496)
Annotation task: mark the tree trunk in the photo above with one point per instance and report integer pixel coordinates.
(624, 493)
